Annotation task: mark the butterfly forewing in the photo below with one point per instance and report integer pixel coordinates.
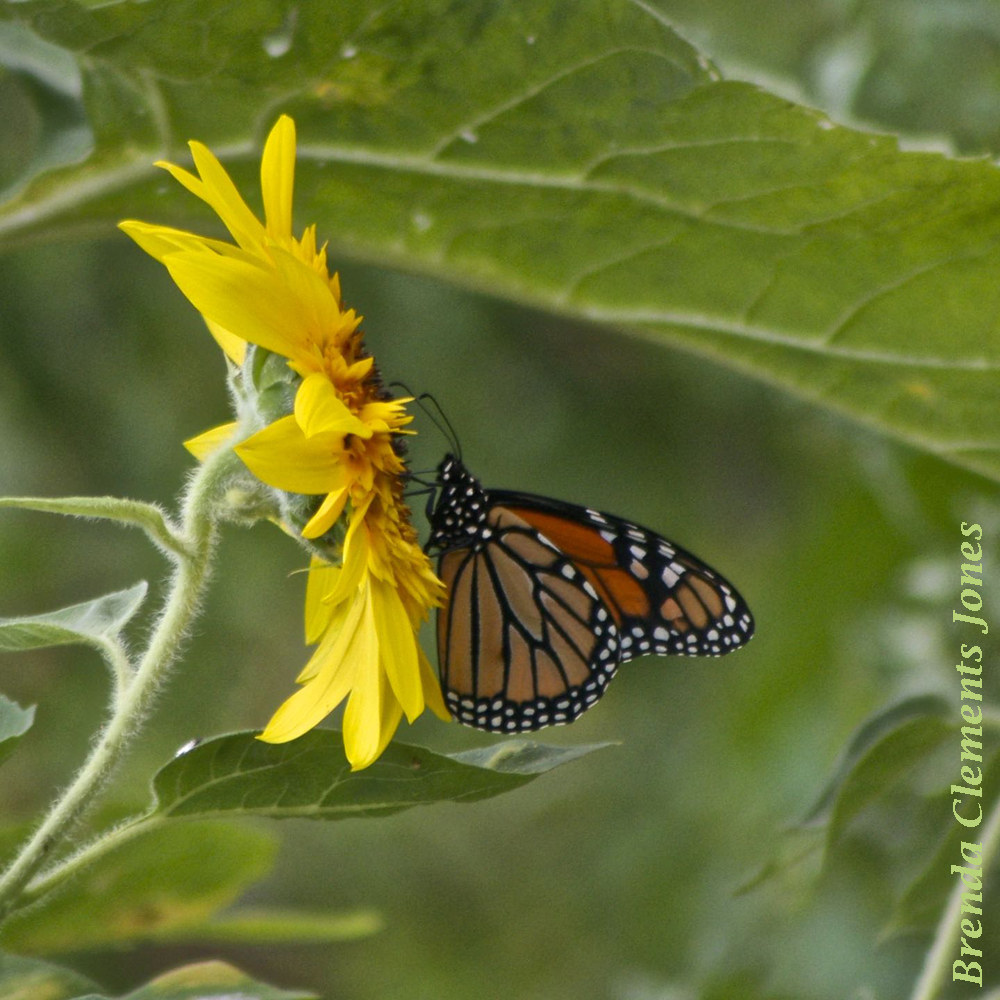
(524, 640)
(664, 600)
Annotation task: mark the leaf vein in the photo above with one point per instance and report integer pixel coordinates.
(473, 124)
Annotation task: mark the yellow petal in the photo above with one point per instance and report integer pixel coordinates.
(277, 177)
(392, 712)
(282, 456)
(355, 557)
(363, 715)
(235, 348)
(321, 655)
(307, 248)
(184, 177)
(158, 241)
(322, 577)
(343, 661)
(385, 415)
(397, 648)
(246, 298)
(329, 510)
(221, 193)
(360, 369)
(432, 688)
(204, 444)
(317, 311)
(319, 410)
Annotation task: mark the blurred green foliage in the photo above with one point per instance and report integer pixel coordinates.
(616, 878)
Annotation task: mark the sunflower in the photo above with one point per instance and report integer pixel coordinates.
(339, 441)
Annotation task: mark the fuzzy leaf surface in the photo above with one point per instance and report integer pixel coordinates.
(577, 155)
(88, 622)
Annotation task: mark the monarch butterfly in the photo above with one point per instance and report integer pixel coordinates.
(546, 600)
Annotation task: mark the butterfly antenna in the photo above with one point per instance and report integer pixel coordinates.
(451, 435)
(443, 425)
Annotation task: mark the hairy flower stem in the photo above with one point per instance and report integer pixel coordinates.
(132, 704)
(944, 949)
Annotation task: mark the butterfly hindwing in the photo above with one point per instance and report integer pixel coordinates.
(524, 641)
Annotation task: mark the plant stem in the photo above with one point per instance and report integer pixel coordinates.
(942, 953)
(131, 706)
(108, 841)
(117, 659)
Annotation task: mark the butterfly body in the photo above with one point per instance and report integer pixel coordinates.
(547, 599)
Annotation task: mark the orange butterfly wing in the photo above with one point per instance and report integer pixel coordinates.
(663, 598)
(547, 598)
(524, 641)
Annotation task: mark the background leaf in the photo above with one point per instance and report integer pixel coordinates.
(893, 756)
(162, 883)
(889, 745)
(208, 981)
(919, 908)
(261, 925)
(86, 622)
(580, 157)
(30, 979)
(14, 723)
(867, 736)
(310, 778)
(927, 70)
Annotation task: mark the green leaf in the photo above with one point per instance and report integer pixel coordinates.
(208, 981)
(166, 882)
(574, 154)
(310, 778)
(133, 513)
(799, 856)
(30, 979)
(920, 906)
(873, 60)
(265, 925)
(90, 622)
(866, 737)
(14, 723)
(887, 745)
(894, 755)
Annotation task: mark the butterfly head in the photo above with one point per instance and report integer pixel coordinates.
(458, 515)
